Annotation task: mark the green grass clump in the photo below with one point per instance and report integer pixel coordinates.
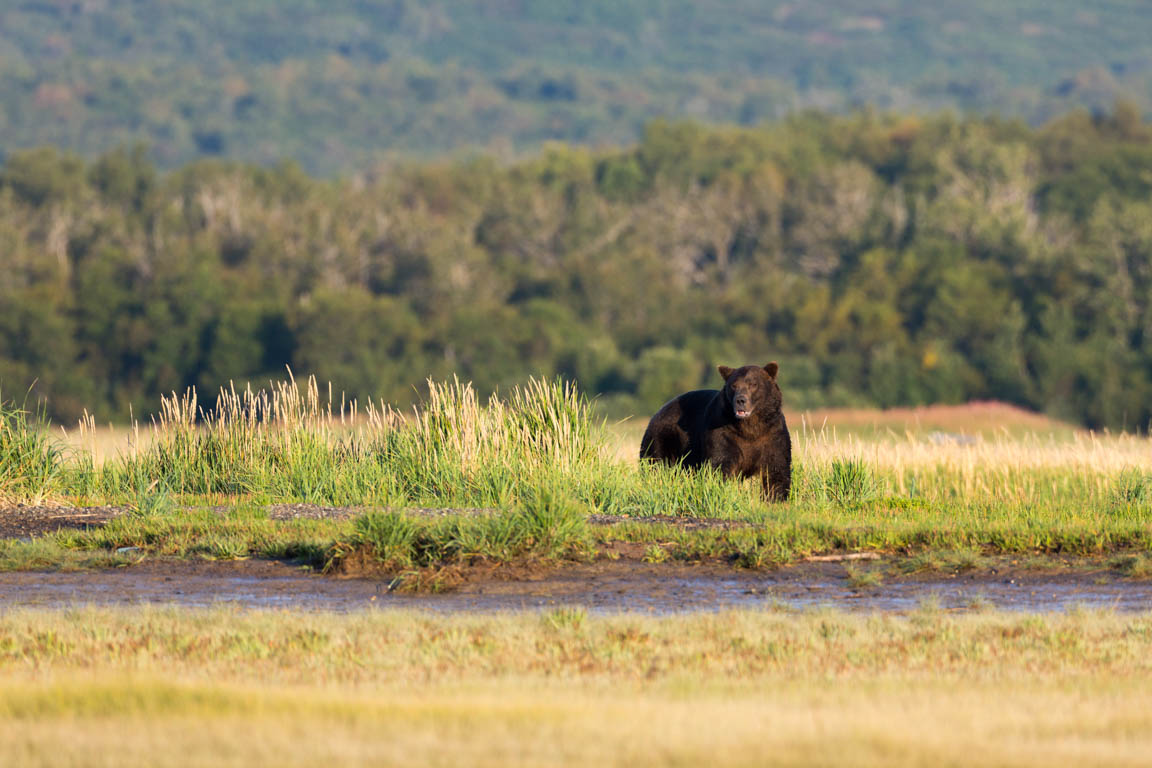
(565, 618)
(389, 536)
(849, 482)
(48, 554)
(1132, 487)
(235, 533)
(1137, 566)
(285, 445)
(860, 579)
(545, 526)
(31, 464)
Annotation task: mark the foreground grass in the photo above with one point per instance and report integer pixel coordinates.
(904, 723)
(179, 687)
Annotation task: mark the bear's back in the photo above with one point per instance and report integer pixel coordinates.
(678, 427)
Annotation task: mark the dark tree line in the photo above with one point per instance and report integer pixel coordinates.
(883, 259)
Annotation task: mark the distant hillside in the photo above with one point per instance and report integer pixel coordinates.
(336, 84)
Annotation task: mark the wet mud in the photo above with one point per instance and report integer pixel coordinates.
(602, 587)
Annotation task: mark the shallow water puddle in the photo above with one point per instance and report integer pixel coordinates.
(607, 588)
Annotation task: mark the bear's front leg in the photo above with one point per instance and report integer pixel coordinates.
(776, 483)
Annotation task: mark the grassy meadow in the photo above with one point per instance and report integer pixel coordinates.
(166, 686)
(532, 476)
(533, 473)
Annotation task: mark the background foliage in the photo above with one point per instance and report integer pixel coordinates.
(340, 84)
(882, 258)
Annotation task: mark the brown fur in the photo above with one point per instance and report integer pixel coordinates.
(739, 429)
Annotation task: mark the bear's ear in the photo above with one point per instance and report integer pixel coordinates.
(725, 371)
(772, 368)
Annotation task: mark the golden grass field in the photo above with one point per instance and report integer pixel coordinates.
(168, 687)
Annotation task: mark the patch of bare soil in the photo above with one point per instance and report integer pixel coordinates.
(975, 416)
(24, 521)
(27, 520)
(685, 523)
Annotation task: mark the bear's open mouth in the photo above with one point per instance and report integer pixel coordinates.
(741, 414)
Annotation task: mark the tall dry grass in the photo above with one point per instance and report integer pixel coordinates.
(1083, 465)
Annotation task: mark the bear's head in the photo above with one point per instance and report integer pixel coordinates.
(751, 390)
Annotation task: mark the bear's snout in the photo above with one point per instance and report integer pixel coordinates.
(742, 405)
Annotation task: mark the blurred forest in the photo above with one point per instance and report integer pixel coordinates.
(338, 85)
(882, 258)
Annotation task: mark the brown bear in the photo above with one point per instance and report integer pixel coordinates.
(739, 429)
